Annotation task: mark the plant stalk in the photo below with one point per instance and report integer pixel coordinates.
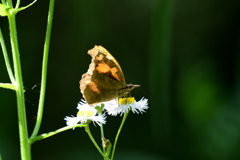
(22, 122)
(118, 133)
(44, 70)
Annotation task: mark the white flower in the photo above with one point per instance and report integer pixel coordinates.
(122, 105)
(84, 114)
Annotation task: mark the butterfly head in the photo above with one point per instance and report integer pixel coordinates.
(131, 86)
(125, 90)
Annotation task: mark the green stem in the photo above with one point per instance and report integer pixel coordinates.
(109, 148)
(23, 134)
(118, 133)
(22, 8)
(17, 4)
(3, 2)
(102, 135)
(44, 70)
(102, 131)
(7, 62)
(9, 3)
(7, 86)
(46, 135)
(94, 142)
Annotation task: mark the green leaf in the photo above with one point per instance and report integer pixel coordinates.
(3, 9)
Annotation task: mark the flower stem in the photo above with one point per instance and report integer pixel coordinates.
(7, 86)
(94, 142)
(102, 135)
(108, 145)
(7, 62)
(23, 134)
(118, 133)
(102, 131)
(9, 3)
(17, 4)
(4, 3)
(44, 70)
(46, 135)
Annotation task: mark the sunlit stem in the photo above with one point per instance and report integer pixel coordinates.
(44, 70)
(9, 3)
(46, 135)
(108, 145)
(102, 130)
(4, 3)
(23, 134)
(94, 142)
(99, 109)
(118, 133)
(17, 4)
(102, 135)
(7, 62)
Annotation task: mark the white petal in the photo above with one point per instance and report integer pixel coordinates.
(71, 121)
(113, 107)
(100, 119)
(140, 106)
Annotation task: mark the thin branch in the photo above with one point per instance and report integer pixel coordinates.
(46, 135)
(44, 70)
(7, 62)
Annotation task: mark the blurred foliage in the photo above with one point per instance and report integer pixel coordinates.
(184, 54)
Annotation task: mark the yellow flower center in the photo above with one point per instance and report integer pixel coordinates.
(128, 100)
(82, 113)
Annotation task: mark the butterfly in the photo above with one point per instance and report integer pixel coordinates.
(104, 79)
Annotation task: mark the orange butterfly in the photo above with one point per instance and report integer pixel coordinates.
(104, 79)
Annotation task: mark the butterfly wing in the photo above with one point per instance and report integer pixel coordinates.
(103, 79)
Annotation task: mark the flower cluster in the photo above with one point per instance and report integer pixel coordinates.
(122, 105)
(87, 113)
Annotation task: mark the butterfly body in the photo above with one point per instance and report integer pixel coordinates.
(104, 79)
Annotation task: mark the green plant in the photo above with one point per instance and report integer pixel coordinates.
(7, 10)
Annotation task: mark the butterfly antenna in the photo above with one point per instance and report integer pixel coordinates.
(143, 91)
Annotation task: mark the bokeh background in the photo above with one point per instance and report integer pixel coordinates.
(184, 54)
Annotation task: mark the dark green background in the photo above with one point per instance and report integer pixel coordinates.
(184, 54)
